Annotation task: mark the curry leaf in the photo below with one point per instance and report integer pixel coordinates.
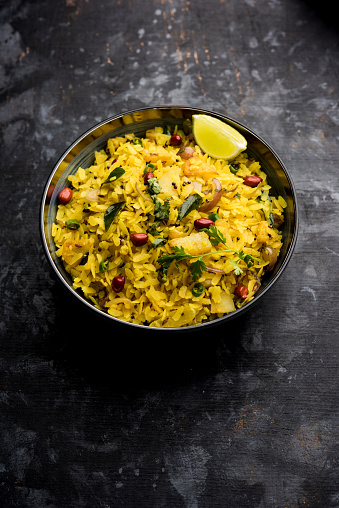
(190, 203)
(114, 175)
(111, 213)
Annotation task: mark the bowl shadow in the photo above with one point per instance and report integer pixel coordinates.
(102, 353)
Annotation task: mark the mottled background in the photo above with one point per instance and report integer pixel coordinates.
(246, 416)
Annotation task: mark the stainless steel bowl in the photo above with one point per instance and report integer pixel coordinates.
(81, 153)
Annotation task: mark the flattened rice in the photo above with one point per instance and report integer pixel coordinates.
(134, 218)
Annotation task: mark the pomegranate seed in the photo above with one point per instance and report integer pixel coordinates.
(139, 239)
(118, 283)
(175, 140)
(252, 181)
(147, 176)
(203, 223)
(65, 195)
(241, 292)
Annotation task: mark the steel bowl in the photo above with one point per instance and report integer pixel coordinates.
(81, 154)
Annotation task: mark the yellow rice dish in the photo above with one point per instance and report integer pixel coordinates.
(165, 236)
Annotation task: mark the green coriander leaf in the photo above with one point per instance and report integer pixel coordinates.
(237, 269)
(178, 255)
(153, 229)
(153, 186)
(161, 212)
(249, 260)
(215, 235)
(197, 268)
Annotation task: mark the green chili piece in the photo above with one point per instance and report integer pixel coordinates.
(149, 168)
(214, 216)
(72, 224)
(103, 265)
(234, 167)
(158, 242)
(198, 289)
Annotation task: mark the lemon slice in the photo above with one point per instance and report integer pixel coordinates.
(217, 138)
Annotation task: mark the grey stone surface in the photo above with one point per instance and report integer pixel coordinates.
(244, 417)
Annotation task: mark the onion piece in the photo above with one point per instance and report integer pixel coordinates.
(207, 206)
(186, 152)
(272, 257)
(207, 283)
(93, 195)
(214, 270)
(174, 233)
(197, 186)
(258, 284)
(232, 190)
(144, 196)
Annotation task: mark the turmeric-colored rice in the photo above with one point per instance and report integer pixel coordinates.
(96, 253)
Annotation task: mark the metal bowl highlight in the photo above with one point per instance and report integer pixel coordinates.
(81, 153)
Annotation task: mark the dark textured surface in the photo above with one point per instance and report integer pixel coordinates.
(246, 416)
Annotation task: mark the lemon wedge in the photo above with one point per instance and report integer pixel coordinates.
(217, 138)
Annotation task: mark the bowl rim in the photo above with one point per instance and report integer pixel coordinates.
(218, 321)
